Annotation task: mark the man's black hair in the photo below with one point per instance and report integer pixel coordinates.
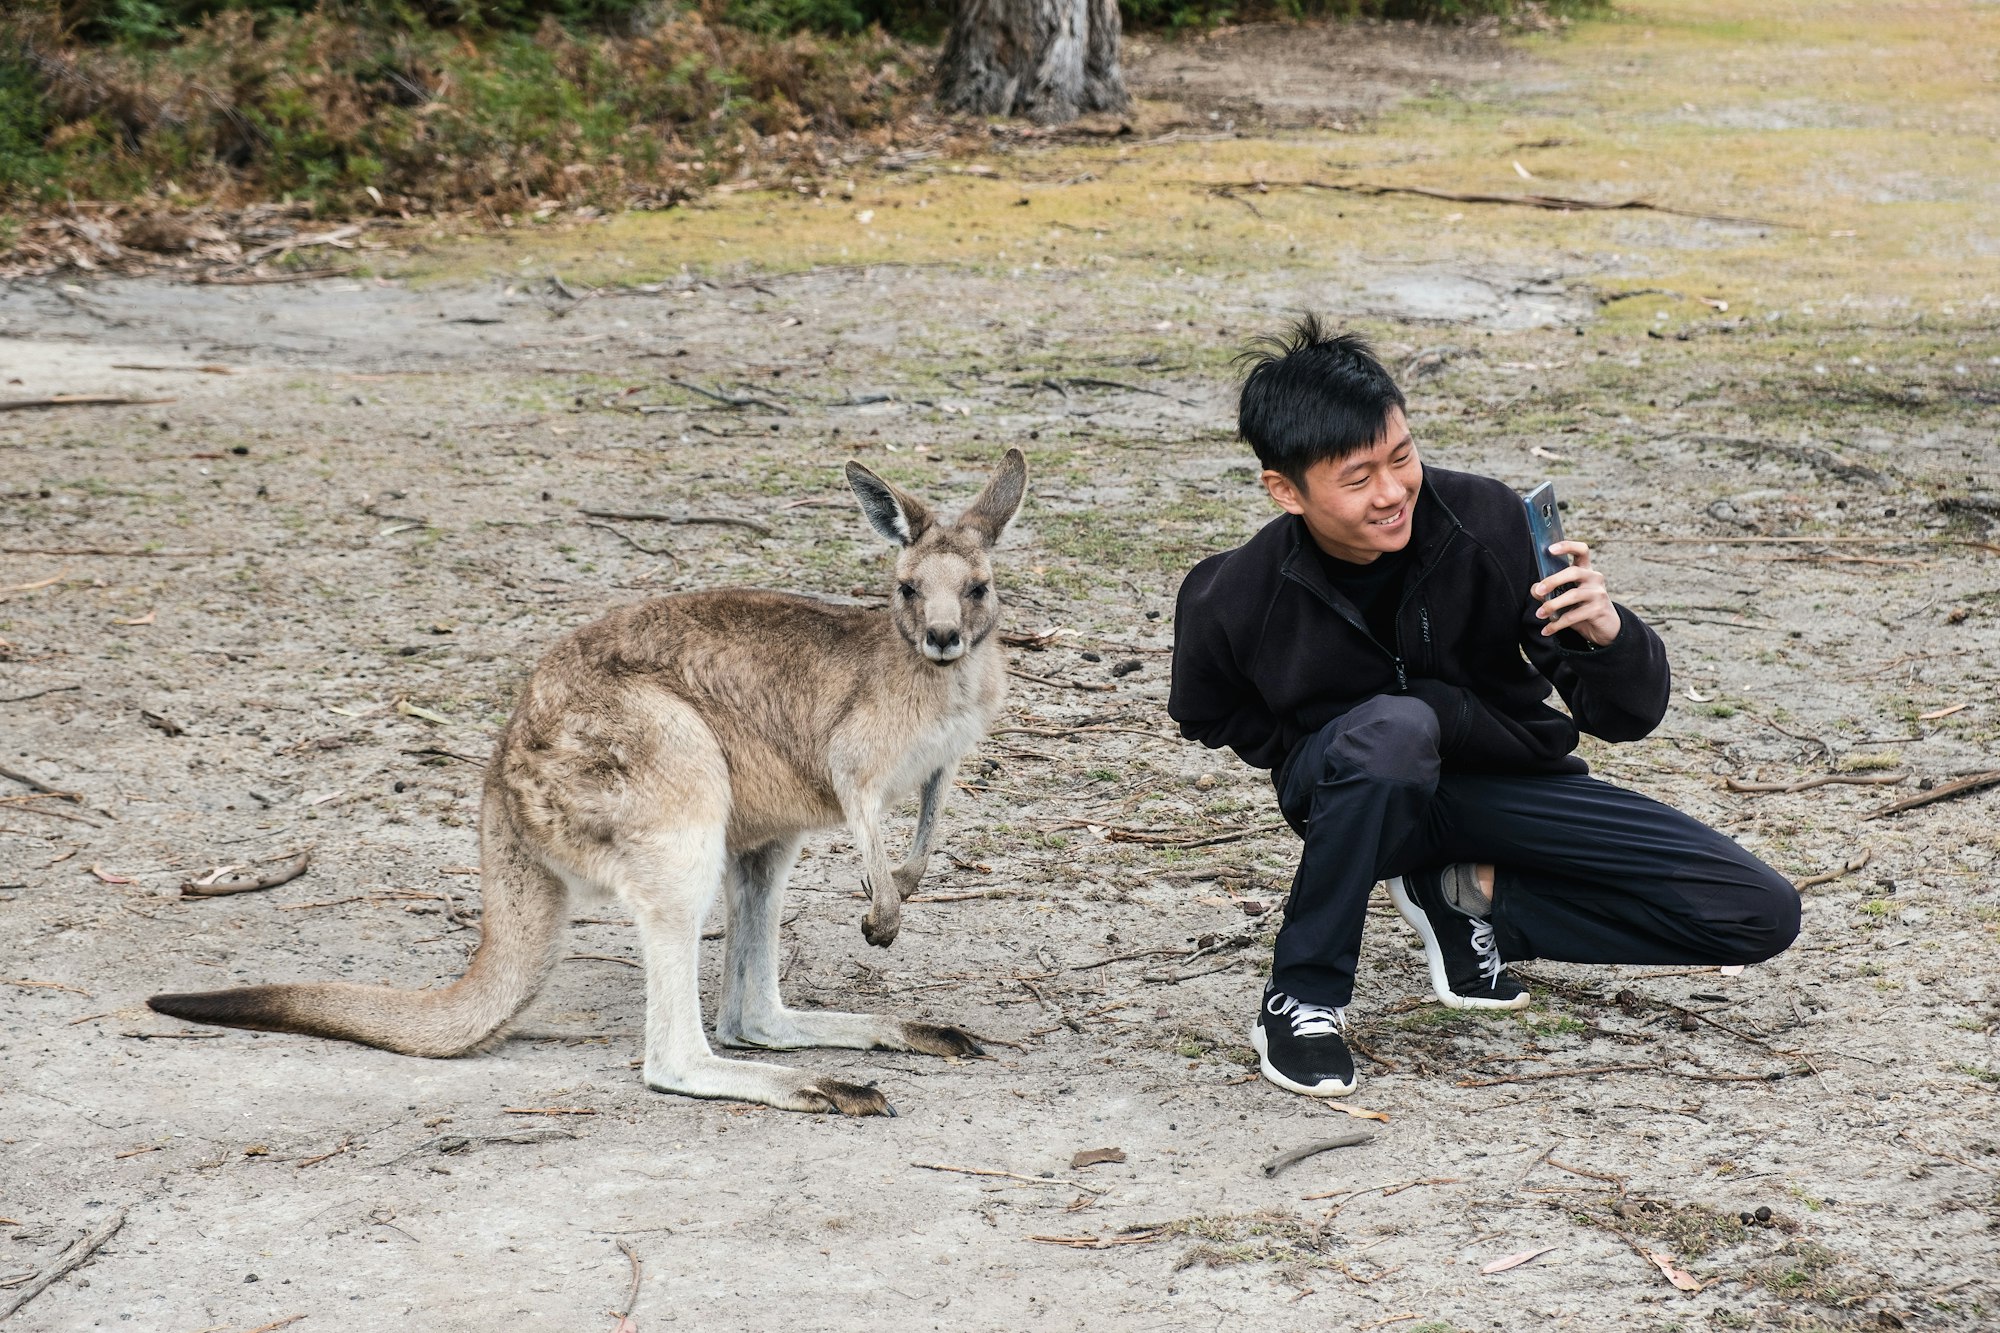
(1312, 395)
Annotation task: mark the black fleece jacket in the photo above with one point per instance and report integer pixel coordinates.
(1266, 651)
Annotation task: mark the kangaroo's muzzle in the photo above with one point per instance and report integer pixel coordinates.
(943, 646)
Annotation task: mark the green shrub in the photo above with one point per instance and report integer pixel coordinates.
(24, 126)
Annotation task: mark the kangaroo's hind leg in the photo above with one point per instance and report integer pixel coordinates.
(753, 1014)
(669, 878)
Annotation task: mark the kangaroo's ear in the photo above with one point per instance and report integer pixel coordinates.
(898, 517)
(994, 509)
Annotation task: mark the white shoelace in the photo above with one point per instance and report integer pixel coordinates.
(1308, 1020)
(1488, 951)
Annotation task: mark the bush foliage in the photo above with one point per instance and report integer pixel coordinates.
(257, 105)
(429, 104)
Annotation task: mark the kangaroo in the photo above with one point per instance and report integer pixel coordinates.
(685, 746)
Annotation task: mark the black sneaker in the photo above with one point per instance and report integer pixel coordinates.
(1466, 969)
(1300, 1046)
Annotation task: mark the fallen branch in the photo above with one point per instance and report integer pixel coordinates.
(107, 550)
(1096, 687)
(1007, 1175)
(78, 400)
(36, 784)
(222, 888)
(1946, 792)
(277, 1324)
(1824, 780)
(632, 1296)
(1142, 1236)
(1284, 1159)
(633, 542)
(47, 985)
(717, 520)
(549, 1110)
(1553, 202)
(53, 689)
(1854, 863)
(1176, 978)
(1078, 731)
(75, 1257)
(1558, 1073)
(266, 279)
(732, 400)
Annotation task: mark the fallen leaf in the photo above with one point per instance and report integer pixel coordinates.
(1358, 1112)
(625, 1325)
(1096, 1156)
(1523, 172)
(1713, 303)
(146, 619)
(1698, 696)
(1683, 1280)
(1937, 713)
(1732, 970)
(110, 878)
(1515, 1260)
(1550, 454)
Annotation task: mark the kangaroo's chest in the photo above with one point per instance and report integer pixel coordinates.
(939, 746)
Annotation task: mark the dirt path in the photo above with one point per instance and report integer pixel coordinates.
(232, 621)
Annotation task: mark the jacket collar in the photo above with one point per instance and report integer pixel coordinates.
(1433, 527)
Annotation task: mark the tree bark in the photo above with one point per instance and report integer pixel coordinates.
(1048, 60)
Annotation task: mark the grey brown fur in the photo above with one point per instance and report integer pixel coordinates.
(684, 747)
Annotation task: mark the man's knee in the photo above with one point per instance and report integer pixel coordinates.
(1390, 736)
(1771, 924)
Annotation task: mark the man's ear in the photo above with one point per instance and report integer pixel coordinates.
(1287, 495)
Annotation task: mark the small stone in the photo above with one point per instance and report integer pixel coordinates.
(1206, 782)
(1764, 1215)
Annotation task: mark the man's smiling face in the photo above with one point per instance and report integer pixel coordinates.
(1358, 507)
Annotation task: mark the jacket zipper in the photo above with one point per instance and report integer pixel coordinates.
(1394, 655)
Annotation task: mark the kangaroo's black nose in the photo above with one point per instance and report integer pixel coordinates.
(944, 640)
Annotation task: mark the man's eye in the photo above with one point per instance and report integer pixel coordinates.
(977, 592)
(906, 591)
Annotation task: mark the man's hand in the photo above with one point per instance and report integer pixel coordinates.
(1576, 598)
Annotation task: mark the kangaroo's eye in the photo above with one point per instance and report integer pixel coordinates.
(906, 591)
(977, 592)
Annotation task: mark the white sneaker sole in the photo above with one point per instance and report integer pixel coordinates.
(1441, 984)
(1326, 1088)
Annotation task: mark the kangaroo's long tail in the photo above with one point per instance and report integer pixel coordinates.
(523, 913)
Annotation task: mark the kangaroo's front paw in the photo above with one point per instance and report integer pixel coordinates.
(847, 1098)
(880, 928)
(938, 1039)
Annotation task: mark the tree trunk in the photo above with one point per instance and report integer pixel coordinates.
(1049, 60)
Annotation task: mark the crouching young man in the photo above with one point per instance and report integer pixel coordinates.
(1384, 647)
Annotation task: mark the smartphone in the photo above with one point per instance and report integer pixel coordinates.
(1545, 527)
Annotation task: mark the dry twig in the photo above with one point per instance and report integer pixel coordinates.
(1284, 1159)
(222, 888)
(75, 1257)
(1942, 792)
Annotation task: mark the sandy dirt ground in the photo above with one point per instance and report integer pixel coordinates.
(286, 608)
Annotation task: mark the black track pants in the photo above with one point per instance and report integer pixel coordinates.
(1585, 872)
